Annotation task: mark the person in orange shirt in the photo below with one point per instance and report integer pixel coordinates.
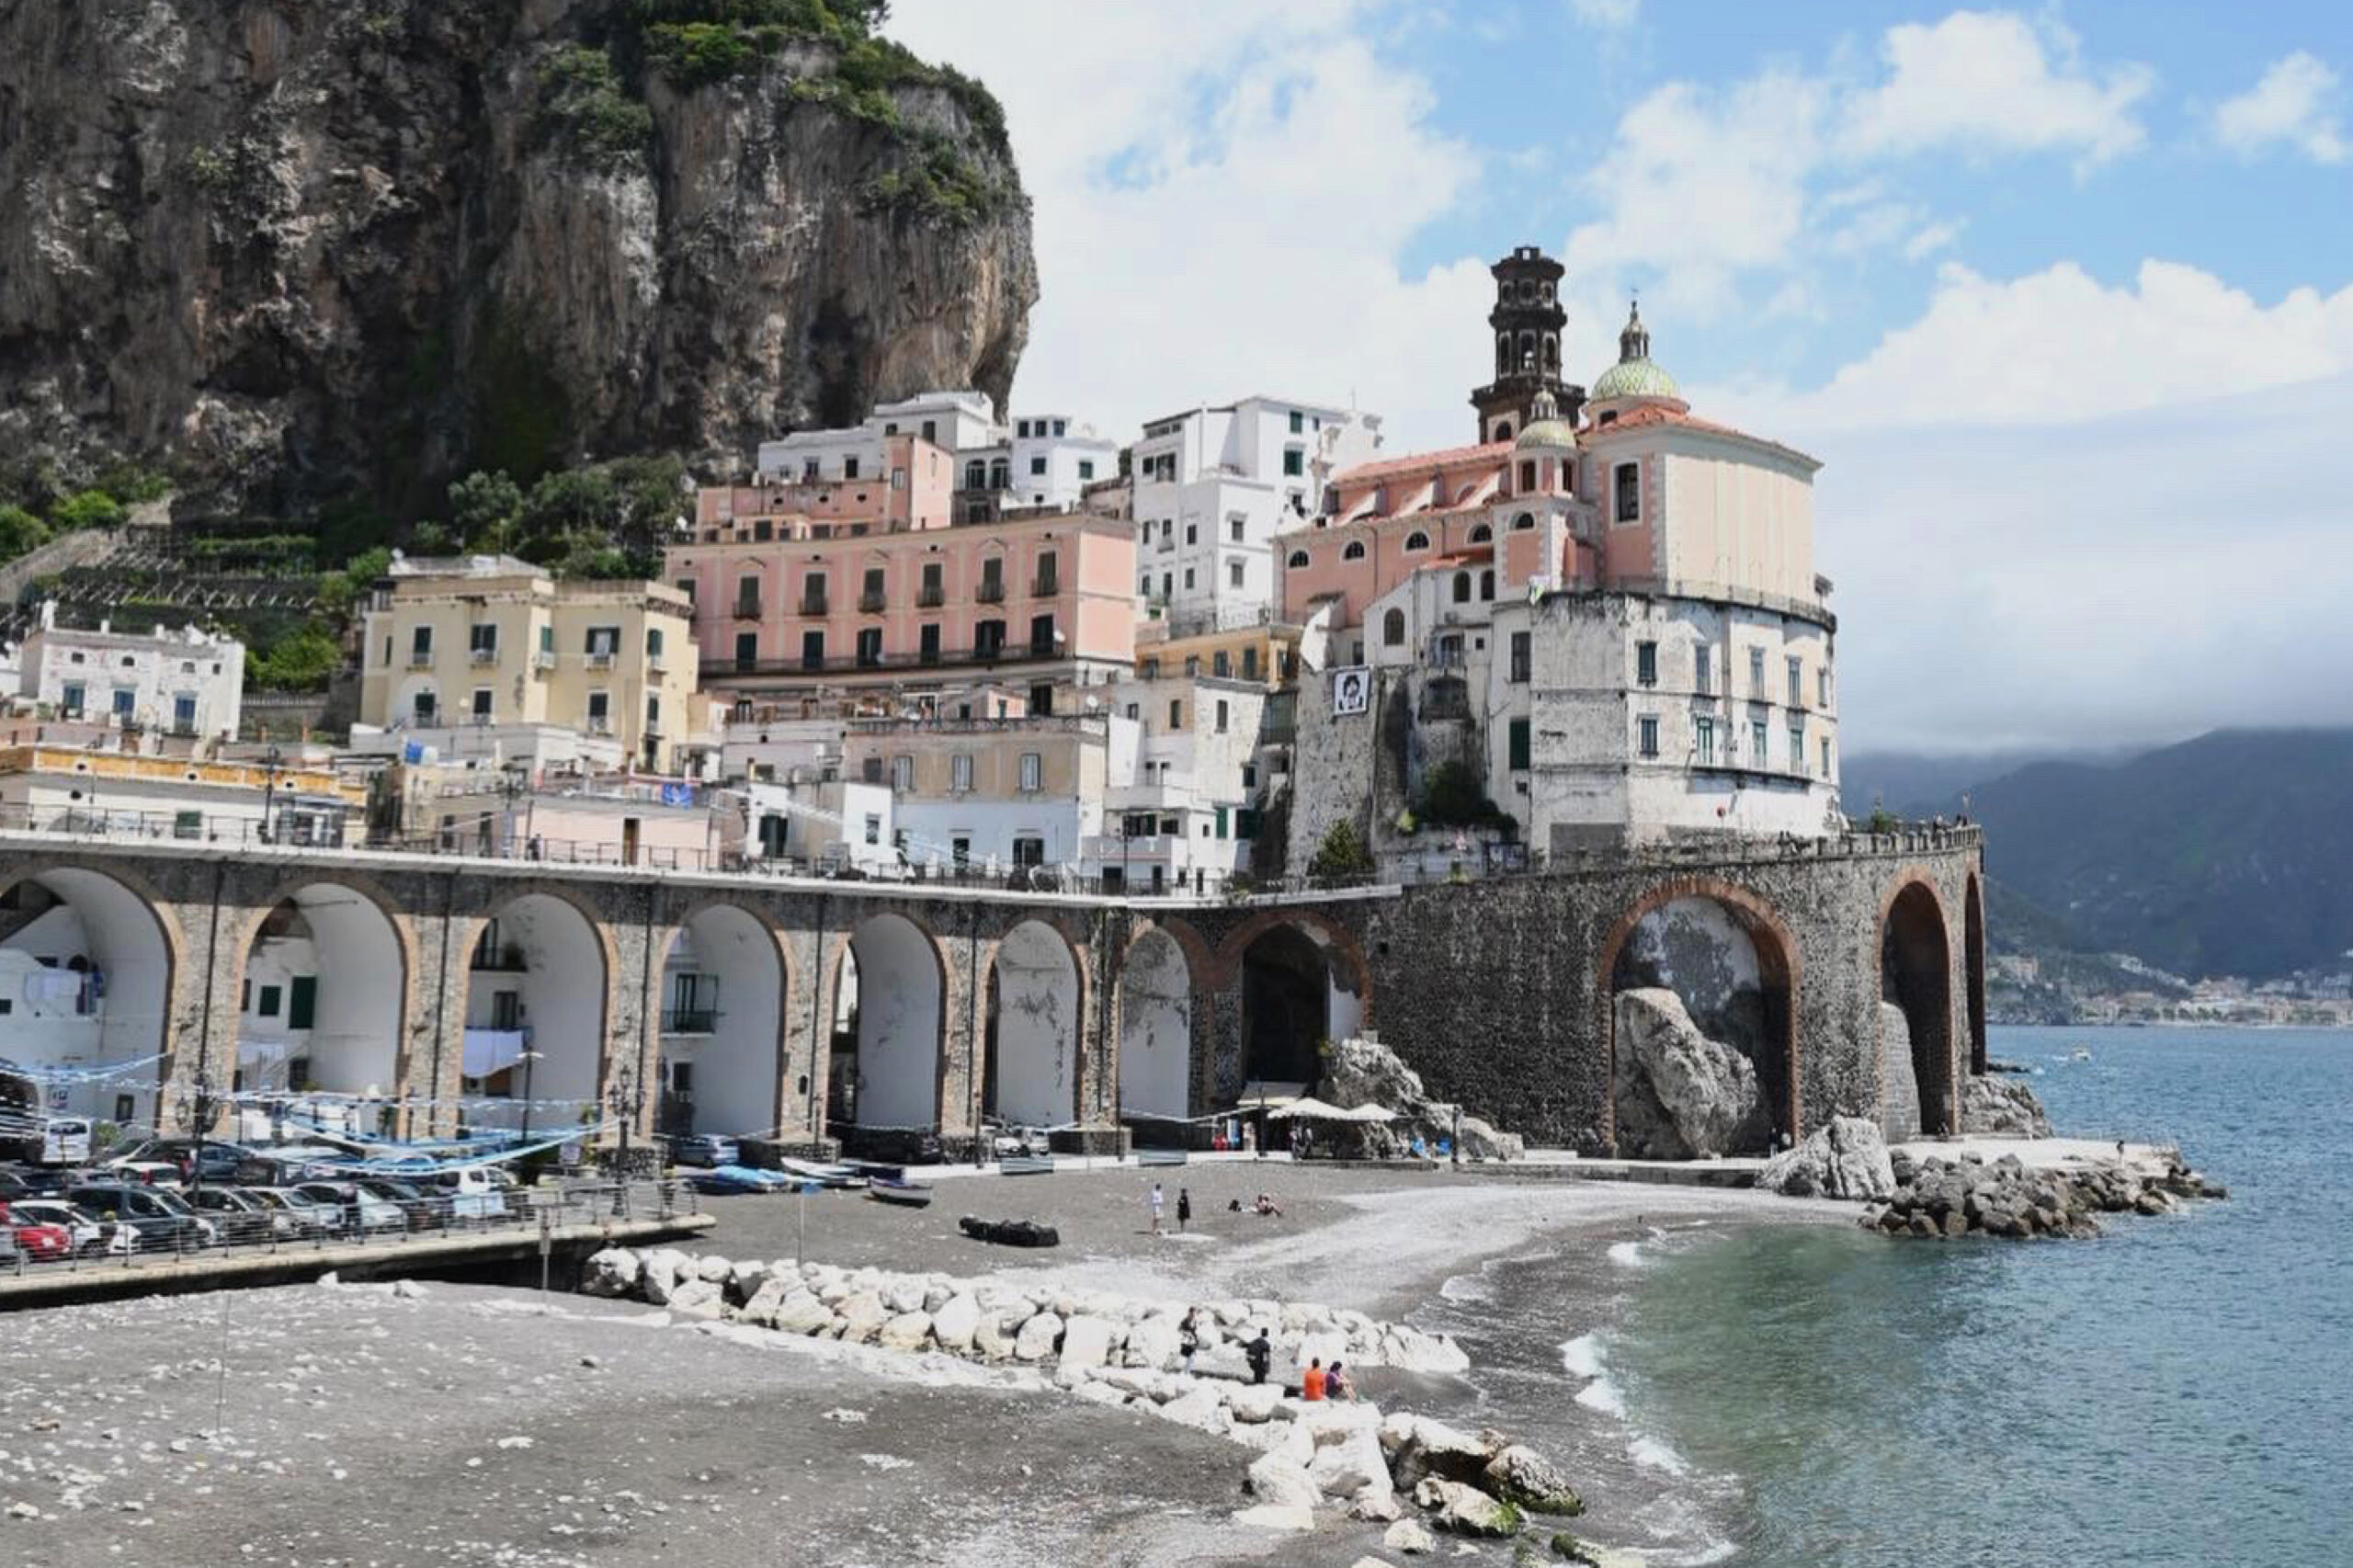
(1311, 1382)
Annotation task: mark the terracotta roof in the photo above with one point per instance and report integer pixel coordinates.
(1451, 456)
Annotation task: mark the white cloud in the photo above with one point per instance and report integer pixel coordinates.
(2291, 106)
(1989, 81)
(1607, 15)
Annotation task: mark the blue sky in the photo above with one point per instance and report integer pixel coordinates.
(2047, 289)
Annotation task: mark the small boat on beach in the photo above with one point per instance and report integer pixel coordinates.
(822, 1174)
(898, 1189)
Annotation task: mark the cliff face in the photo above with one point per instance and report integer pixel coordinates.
(300, 249)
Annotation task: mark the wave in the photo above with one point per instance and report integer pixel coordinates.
(1466, 1287)
(1654, 1454)
(1581, 1357)
(1627, 1255)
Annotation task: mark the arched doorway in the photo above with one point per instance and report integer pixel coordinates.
(886, 1052)
(1298, 990)
(86, 970)
(1156, 1039)
(320, 1010)
(1972, 951)
(1915, 982)
(721, 1011)
(1030, 1075)
(1702, 1030)
(535, 1018)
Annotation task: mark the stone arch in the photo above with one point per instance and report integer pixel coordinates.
(886, 1021)
(1036, 1010)
(1157, 1004)
(1303, 978)
(1973, 948)
(539, 970)
(725, 1000)
(1779, 972)
(106, 998)
(343, 935)
(1913, 956)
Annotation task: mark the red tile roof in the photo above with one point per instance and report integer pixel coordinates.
(1424, 462)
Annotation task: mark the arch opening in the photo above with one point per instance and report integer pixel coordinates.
(1156, 1039)
(87, 976)
(1297, 992)
(721, 1012)
(1974, 955)
(1915, 1017)
(886, 1028)
(535, 1018)
(1702, 1049)
(1030, 1072)
(320, 1012)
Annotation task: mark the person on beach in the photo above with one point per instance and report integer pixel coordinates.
(1188, 1338)
(1260, 1354)
(1184, 1207)
(1155, 1201)
(1267, 1205)
(1338, 1385)
(1310, 1382)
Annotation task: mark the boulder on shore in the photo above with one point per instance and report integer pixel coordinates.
(2002, 1108)
(1365, 1071)
(1519, 1474)
(1846, 1159)
(1706, 1092)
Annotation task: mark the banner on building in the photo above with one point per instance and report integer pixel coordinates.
(1352, 690)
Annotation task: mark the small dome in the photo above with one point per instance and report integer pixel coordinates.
(1634, 378)
(1548, 433)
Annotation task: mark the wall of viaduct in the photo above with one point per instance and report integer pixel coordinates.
(1497, 992)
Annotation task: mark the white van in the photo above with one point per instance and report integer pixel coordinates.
(65, 1140)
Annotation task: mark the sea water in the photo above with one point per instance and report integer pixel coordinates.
(2178, 1391)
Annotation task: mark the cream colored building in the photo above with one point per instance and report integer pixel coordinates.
(493, 641)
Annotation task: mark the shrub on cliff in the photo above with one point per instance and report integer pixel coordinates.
(582, 103)
(1341, 855)
(20, 531)
(86, 509)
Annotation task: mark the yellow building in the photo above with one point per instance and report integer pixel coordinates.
(1256, 651)
(493, 641)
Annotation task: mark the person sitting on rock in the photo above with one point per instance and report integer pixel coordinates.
(1310, 1382)
(1338, 1385)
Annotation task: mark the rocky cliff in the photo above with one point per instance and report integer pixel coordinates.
(299, 249)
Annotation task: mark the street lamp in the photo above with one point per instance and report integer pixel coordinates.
(528, 1058)
(269, 792)
(624, 1098)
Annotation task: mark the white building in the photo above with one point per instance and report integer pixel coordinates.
(187, 682)
(808, 822)
(1211, 488)
(1188, 815)
(1029, 461)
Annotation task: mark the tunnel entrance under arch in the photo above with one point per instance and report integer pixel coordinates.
(87, 976)
(722, 1013)
(1156, 1040)
(1029, 1075)
(320, 1014)
(1298, 991)
(534, 1020)
(1702, 1050)
(886, 1030)
(1974, 957)
(1915, 1017)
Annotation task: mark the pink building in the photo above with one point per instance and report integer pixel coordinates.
(864, 580)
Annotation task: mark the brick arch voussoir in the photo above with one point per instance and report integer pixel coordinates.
(1227, 965)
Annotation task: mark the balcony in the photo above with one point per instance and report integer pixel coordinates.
(991, 591)
(486, 655)
(690, 1020)
(1045, 589)
(931, 595)
(748, 609)
(420, 658)
(813, 604)
(871, 603)
(600, 660)
(544, 660)
(599, 726)
(656, 663)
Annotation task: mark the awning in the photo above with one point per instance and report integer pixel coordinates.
(494, 1051)
(1316, 1110)
(1269, 1093)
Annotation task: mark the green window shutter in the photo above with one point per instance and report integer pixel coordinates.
(303, 1002)
(1519, 743)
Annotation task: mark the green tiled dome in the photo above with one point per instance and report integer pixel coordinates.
(1635, 378)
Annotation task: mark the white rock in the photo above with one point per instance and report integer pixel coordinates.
(861, 1317)
(1267, 1516)
(1350, 1468)
(1284, 1481)
(658, 1273)
(611, 1272)
(1253, 1402)
(1035, 1342)
(802, 1313)
(907, 1330)
(1086, 1341)
(904, 1296)
(1153, 1341)
(992, 1338)
(761, 1308)
(1100, 1394)
(1377, 1505)
(697, 1299)
(713, 1270)
(1201, 1409)
(954, 1320)
(1408, 1537)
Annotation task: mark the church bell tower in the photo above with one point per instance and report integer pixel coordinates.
(1526, 323)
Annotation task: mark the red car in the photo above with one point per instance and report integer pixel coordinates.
(37, 1243)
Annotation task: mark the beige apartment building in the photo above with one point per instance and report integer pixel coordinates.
(493, 641)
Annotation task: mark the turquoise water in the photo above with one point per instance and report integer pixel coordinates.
(2176, 1393)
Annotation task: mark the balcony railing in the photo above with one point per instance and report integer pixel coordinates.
(486, 655)
(930, 596)
(690, 1020)
(544, 659)
(813, 604)
(600, 659)
(748, 609)
(871, 603)
(1023, 652)
(1045, 589)
(420, 658)
(991, 591)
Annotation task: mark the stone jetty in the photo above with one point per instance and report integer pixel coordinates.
(1938, 1197)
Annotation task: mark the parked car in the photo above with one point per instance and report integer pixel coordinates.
(149, 1164)
(92, 1237)
(37, 1242)
(475, 1192)
(708, 1150)
(310, 1217)
(423, 1211)
(162, 1220)
(370, 1212)
(239, 1216)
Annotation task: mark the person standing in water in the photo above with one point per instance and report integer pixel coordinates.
(1184, 1207)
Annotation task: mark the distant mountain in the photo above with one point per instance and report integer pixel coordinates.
(2230, 854)
(1922, 784)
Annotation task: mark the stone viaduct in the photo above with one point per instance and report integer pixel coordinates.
(1048, 1010)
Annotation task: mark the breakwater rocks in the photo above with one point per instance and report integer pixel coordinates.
(2005, 1197)
(1311, 1456)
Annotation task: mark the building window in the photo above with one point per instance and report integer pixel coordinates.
(1250, 663)
(1462, 588)
(1797, 747)
(71, 700)
(1189, 578)
(653, 645)
(482, 705)
(1354, 551)
(427, 709)
(1298, 421)
(1822, 686)
(1061, 425)
(1294, 461)
(1826, 756)
(1233, 527)
(1523, 523)
(870, 647)
(483, 641)
(1703, 741)
(420, 645)
(850, 468)
(600, 721)
(1487, 585)
(1220, 664)
(812, 650)
(747, 649)
(1703, 670)
(903, 774)
(1393, 628)
(1756, 673)
(959, 773)
(125, 701)
(1417, 540)
(1220, 716)
(976, 476)
(1298, 560)
(873, 823)
(1236, 573)
(1033, 772)
(1087, 467)
(1758, 747)
(271, 995)
(1646, 663)
(652, 715)
(1646, 732)
(869, 769)
(1482, 534)
(1517, 746)
(1629, 480)
(1527, 475)
(1797, 683)
(1519, 655)
(1176, 714)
